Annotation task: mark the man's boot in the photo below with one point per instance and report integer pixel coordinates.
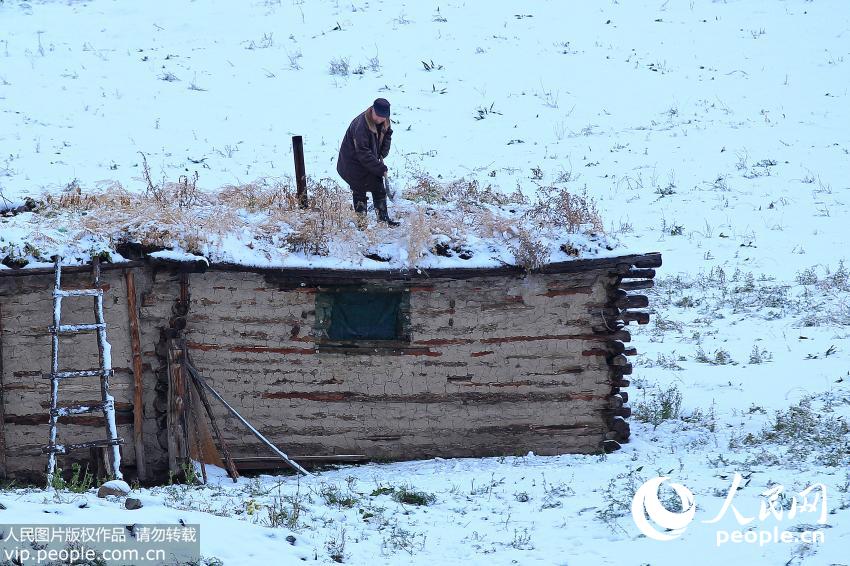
(383, 215)
(360, 211)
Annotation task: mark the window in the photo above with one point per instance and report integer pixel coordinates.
(363, 317)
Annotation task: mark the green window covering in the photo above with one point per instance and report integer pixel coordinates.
(365, 316)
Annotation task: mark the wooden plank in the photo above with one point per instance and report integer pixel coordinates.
(297, 276)
(138, 407)
(231, 466)
(178, 453)
(2, 404)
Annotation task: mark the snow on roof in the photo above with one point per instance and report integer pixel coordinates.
(443, 224)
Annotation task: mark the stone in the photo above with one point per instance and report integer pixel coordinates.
(132, 503)
(114, 487)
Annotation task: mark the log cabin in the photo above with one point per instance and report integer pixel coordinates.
(330, 364)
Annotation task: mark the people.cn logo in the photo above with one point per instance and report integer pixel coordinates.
(648, 509)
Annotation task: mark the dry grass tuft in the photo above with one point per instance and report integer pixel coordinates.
(259, 196)
(530, 253)
(557, 206)
(183, 194)
(462, 192)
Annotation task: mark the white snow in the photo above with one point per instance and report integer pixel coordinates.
(177, 255)
(713, 132)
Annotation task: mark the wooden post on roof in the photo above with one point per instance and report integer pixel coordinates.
(138, 405)
(300, 171)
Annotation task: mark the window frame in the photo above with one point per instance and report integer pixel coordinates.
(324, 308)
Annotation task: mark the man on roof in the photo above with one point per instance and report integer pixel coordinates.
(361, 159)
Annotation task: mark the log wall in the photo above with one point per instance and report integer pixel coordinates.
(495, 365)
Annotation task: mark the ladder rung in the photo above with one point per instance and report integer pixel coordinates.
(83, 373)
(76, 410)
(65, 448)
(77, 292)
(75, 328)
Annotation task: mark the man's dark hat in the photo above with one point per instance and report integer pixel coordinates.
(381, 106)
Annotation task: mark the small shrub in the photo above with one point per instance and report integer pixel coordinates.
(339, 66)
(521, 540)
(708, 419)
(529, 253)
(335, 545)
(332, 495)
(80, 482)
(402, 539)
(660, 405)
(294, 59)
(561, 208)
(183, 194)
(617, 497)
(285, 511)
(759, 356)
(408, 496)
(720, 357)
(808, 430)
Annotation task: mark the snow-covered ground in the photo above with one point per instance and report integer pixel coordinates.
(717, 133)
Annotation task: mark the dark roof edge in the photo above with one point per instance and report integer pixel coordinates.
(618, 263)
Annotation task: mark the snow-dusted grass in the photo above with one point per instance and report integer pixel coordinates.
(714, 132)
(445, 223)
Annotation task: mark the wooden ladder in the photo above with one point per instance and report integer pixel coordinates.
(107, 404)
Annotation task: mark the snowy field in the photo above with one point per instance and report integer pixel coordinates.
(717, 133)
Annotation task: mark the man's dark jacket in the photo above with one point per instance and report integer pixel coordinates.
(364, 145)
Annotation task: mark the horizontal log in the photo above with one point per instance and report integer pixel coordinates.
(632, 302)
(429, 398)
(299, 276)
(639, 316)
(638, 284)
(639, 274)
(624, 412)
(648, 260)
(567, 292)
(622, 335)
(507, 339)
(619, 371)
(621, 429)
(260, 463)
(615, 347)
